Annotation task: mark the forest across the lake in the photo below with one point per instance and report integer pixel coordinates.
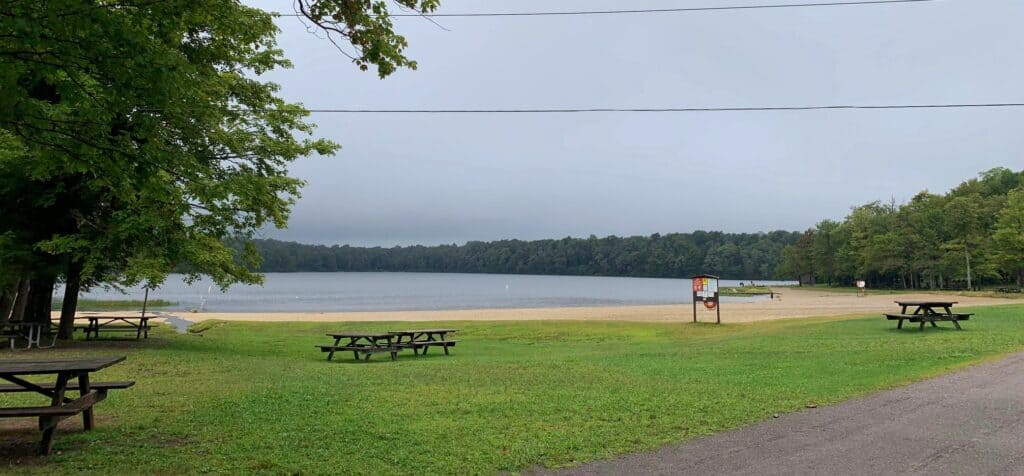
(674, 255)
(971, 236)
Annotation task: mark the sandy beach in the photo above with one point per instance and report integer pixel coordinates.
(791, 303)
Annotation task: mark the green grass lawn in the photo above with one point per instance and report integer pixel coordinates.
(248, 397)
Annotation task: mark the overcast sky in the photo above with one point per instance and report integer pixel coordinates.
(406, 179)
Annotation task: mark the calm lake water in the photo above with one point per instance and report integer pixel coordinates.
(419, 291)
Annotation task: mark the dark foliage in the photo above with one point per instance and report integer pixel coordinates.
(745, 255)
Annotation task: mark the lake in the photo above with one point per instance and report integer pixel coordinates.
(329, 292)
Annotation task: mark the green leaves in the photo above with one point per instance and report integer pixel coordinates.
(366, 26)
(136, 136)
(929, 242)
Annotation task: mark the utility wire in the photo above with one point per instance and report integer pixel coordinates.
(651, 10)
(667, 109)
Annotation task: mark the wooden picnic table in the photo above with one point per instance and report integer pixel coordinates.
(367, 343)
(928, 312)
(32, 332)
(424, 338)
(137, 324)
(60, 407)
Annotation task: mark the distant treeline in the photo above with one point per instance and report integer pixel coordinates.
(676, 255)
(971, 236)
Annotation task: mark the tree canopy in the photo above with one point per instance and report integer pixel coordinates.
(136, 136)
(973, 234)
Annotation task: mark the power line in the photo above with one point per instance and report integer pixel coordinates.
(668, 109)
(652, 10)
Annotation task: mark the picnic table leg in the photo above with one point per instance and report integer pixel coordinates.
(922, 325)
(330, 354)
(899, 324)
(441, 337)
(46, 423)
(83, 388)
(366, 355)
(956, 324)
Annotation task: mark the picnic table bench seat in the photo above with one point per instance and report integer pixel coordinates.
(113, 328)
(367, 350)
(417, 345)
(10, 388)
(83, 403)
(935, 317)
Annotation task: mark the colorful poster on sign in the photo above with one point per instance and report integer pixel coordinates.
(698, 285)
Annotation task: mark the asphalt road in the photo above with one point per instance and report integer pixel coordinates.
(969, 422)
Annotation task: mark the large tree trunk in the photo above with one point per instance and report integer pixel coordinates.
(7, 297)
(21, 300)
(70, 304)
(40, 300)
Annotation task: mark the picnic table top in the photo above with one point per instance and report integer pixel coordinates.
(926, 303)
(360, 334)
(38, 367)
(425, 331)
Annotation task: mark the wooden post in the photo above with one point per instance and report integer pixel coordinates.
(48, 425)
(145, 300)
(83, 389)
(718, 310)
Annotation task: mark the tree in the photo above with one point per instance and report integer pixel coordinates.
(823, 250)
(966, 225)
(1009, 235)
(149, 136)
(927, 242)
(798, 260)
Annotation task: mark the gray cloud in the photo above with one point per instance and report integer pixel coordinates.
(404, 179)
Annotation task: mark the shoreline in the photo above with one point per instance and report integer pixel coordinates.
(789, 304)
